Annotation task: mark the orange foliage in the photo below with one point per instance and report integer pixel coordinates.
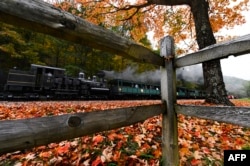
(61, 150)
(97, 139)
(134, 21)
(201, 142)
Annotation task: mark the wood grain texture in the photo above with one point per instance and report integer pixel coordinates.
(170, 150)
(233, 115)
(236, 47)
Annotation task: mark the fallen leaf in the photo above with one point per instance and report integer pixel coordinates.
(45, 154)
(195, 162)
(97, 139)
(97, 162)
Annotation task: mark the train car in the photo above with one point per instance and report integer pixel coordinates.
(44, 82)
(125, 89)
(196, 94)
(182, 93)
(19, 83)
(185, 93)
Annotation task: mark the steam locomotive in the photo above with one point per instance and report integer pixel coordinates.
(52, 83)
(44, 82)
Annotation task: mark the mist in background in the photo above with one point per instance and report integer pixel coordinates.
(190, 74)
(130, 74)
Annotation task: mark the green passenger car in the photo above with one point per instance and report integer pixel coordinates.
(120, 88)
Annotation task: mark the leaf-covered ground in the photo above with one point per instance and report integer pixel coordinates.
(201, 142)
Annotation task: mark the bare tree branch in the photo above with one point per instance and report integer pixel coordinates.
(127, 8)
(169, 2)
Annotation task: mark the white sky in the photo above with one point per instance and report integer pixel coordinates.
(238, 66)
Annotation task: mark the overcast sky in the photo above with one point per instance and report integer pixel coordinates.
(238, 66)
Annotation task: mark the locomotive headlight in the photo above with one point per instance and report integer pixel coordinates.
(120, 89)
(142, 90)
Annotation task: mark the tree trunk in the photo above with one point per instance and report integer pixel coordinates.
(213, 78)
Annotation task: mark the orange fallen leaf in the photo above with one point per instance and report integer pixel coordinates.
(195, 162)
(239, 141)
(97, 162)
(157, 153)
(45, 154)
(97, 139)
(195, 146)
(184, 152)
(206, 150)
(63, 149)
(116, 155)
(112, 136)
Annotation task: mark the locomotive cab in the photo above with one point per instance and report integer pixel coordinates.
(93, 88)
(46, 77)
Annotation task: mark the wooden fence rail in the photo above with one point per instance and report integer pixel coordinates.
(235, 47)
(234, 115)
(28, 133)
(43, 17)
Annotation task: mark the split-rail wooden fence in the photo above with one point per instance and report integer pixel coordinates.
(42, 17)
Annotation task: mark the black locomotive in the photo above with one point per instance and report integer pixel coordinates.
(52, 83)
(44, 82)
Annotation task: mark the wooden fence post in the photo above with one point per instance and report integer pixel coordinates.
(170, 155)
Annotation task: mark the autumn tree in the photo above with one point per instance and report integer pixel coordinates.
(15, 47)
(180, 19)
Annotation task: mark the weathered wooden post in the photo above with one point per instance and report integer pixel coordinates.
(170, 150)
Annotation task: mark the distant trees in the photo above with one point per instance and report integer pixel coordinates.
(15, 47)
